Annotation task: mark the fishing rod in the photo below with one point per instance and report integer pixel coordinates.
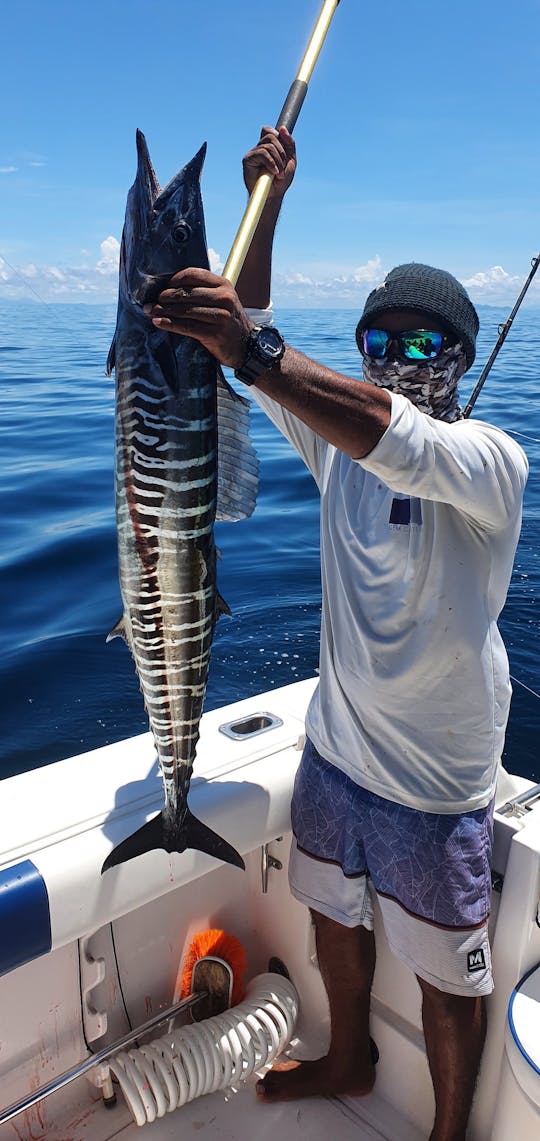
(287, 118)
(503, 333)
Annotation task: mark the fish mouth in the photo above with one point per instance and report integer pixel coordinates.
(146, 182)
(147, 201)
(146, 179)
(149, 287)
(189, 177)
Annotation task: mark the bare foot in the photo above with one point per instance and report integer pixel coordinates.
(322, 1078)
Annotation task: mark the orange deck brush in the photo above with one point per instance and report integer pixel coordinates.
(215, 963)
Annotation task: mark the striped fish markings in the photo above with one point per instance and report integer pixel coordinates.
(174, 413)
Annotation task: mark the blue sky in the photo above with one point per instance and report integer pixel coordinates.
(418, 139)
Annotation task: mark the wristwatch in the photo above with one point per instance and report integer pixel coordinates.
(265, 348)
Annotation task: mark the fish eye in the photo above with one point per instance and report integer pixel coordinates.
(181, 232)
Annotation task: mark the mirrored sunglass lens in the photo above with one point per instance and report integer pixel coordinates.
(421, 345)
(375, 342)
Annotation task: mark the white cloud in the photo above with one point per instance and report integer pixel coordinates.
(371, 273)
(30, 158)
(216, 263)
(29, 270)
(97, 281)
(348, 288)
(297, 279)
(110, 256)
(493, 285)
(91, 283)
(23, 159)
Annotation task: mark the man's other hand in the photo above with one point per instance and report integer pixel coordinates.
(274, 154)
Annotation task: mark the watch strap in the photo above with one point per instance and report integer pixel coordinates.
(251, 369)
(257, 361)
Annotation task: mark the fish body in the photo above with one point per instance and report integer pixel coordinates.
(174, 414)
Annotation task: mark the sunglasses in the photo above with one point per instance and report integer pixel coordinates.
(413, 345)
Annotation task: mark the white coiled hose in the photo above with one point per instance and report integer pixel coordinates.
(209, 1055)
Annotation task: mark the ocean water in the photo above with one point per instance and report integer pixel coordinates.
(63, 690)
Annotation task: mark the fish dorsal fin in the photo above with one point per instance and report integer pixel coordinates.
(238, 466)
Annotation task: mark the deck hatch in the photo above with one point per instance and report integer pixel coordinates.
(25, 920)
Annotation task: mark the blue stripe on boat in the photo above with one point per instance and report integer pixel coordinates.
(25, 920)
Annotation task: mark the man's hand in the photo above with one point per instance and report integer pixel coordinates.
(274, 154)
(197, 303)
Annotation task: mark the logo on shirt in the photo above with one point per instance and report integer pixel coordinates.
(476, 961)
(405, 512)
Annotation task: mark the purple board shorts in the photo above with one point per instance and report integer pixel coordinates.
(436, 865)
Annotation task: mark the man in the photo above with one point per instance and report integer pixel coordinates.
(420, 517)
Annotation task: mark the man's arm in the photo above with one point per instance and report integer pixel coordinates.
(348, 414)
(275, 154)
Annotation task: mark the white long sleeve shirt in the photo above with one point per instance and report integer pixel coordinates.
(417, 547)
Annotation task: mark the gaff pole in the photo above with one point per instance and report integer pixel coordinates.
(287, 118)
(503, 333)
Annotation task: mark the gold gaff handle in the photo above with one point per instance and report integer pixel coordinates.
(287, 118)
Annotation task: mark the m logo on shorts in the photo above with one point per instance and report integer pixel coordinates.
(476, 961)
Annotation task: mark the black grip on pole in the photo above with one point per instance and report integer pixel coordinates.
(292, 105)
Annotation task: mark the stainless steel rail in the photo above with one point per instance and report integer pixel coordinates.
(521, 804)
(96, 1059)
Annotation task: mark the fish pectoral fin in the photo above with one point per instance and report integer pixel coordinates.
(192, 834)
(222, 607)
(119, 631)
(238, 466)
(111, 358)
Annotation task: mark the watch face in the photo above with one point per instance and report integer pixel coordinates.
(269, 341)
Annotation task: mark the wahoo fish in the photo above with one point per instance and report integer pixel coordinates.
(183, 459)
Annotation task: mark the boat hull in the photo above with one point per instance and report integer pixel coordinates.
(114, 945)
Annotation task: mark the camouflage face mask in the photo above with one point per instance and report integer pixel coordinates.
(431, 387)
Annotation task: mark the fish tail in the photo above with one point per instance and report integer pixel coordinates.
(201, 837)
(193, 834)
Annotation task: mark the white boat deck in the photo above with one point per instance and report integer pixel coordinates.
(239, 1116)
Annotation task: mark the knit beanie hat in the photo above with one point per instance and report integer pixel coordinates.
(435, 292)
